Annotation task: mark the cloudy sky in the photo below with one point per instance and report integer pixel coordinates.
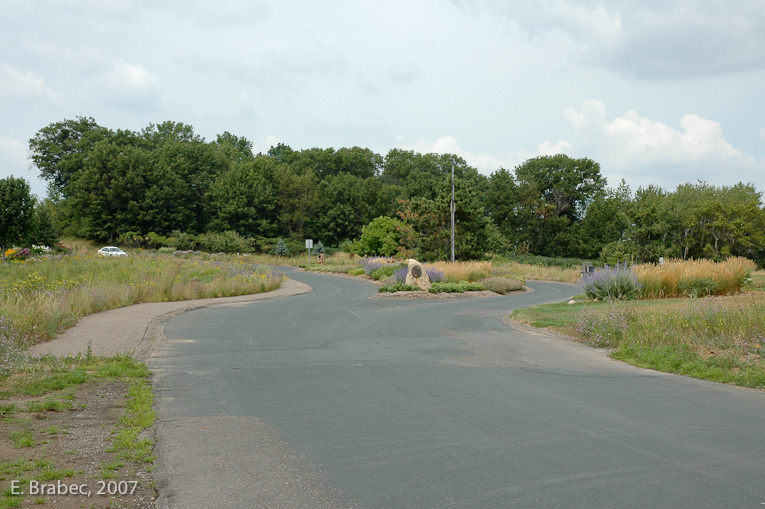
(656, 91)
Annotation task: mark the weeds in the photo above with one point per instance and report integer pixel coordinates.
(40, 298)
(718, 338)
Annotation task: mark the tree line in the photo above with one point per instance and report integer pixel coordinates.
(166, 181)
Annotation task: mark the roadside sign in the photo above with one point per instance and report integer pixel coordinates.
(308, 243)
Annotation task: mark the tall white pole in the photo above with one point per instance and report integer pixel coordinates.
(453, 208)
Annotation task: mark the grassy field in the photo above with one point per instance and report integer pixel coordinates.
(41, 297)
(716, 338)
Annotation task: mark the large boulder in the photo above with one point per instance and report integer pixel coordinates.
(417, 275)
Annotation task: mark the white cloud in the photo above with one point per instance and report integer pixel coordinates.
(632, 138)
(131, 77)
(17, 83)
(654, 152)
(549, 148)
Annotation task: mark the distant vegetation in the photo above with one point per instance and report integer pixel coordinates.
(167, 187)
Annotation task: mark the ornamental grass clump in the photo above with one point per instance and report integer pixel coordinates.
(463, 271)
(612, 283)
(694, 278)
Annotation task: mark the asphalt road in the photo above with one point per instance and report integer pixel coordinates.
(333, 399)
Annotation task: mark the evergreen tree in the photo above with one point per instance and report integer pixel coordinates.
(281, 248)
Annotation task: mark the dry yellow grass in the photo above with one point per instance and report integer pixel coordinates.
(463, 271)
(537, 272)
(699, 277)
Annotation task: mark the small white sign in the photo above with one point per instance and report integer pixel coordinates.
(308, 243)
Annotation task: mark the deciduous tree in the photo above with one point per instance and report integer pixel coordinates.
(16, 212)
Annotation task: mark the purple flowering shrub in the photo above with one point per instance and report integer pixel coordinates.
(612, 283)
(400, 274)
(435, 275)
(372, 266)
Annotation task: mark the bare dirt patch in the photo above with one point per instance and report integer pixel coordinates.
(68, 448)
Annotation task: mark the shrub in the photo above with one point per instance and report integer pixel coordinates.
(371, 266)
(400, 274)
(155, 240)
(21, 254)
(502, 285)
(131, 239)
(398, 287)
(380, 237)
(383, 271)
(611, 283)
(182, 241)
(356, 272)
(435, 275)
(224, 242)
(461, 287)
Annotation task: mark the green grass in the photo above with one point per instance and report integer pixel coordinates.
(39, 298)
(398, 287)
(22, 438)
(50, 375)
(757, 281)
(720, 339)
(460, 287)
(138, 417)
(56, 379)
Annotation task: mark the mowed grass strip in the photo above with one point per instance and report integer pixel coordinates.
(717, 338)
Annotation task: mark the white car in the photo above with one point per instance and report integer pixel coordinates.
(111, 251)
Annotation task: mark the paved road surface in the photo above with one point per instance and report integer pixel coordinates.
(333, 399)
